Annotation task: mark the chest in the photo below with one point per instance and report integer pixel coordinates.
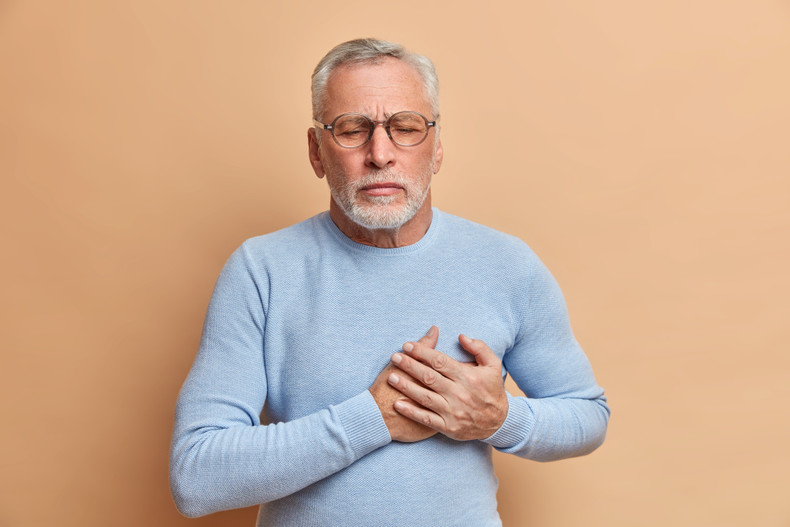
(330, 332)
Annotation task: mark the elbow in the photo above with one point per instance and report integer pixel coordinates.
(605, 413)
(188, 500)
(188, 508)
(593, 443)
(596, 434)
(186, 488)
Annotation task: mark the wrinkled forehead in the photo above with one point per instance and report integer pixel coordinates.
(377, 89)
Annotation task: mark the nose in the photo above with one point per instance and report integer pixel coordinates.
(381, 149)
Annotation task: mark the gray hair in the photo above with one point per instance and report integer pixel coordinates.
(372, 51)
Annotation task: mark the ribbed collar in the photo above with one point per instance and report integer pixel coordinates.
(423, 242)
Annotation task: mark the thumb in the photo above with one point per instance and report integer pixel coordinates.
(480, 350)
(431, 338)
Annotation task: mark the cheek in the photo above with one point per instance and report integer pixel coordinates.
(345, 164)
(334, 169)
(335, 179)
(429, 165)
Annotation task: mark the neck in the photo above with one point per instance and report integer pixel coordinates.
(407, 234)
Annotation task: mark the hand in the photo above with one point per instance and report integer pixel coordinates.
(400, 428)
(461, 400)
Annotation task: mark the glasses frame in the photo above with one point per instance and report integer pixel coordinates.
(374, 124)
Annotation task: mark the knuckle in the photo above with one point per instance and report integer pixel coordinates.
(439, 362)
(460, 415)
(430, 377)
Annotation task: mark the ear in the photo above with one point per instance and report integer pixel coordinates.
(438, 156)
(314, 152)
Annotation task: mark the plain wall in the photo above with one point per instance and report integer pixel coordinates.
(641, 148)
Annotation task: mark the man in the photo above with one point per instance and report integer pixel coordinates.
(311, 325)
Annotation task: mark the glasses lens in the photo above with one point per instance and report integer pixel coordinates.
(408, 128)
(351, 130)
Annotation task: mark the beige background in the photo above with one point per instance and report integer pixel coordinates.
(641, 148)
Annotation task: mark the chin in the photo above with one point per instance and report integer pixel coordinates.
(381, 216)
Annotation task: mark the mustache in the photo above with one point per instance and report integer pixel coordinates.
(383, 175)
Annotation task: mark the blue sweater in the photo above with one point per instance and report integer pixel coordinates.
(276, 409)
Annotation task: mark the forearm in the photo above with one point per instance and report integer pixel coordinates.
(218, 465)
(552, 428)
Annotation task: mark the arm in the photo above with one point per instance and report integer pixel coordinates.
(564, 414)
(221, 456)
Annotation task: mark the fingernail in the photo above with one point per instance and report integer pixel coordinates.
(430, 331)
(393, 378)
(408, 346)
(396, 358)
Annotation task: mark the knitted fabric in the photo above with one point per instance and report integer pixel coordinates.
(302, 321)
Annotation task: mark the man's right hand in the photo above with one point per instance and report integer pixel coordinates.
(400, 428)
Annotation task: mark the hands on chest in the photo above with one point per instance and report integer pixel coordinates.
(423, 391)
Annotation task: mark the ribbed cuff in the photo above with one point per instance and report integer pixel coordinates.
(364, 426)
(517, 425)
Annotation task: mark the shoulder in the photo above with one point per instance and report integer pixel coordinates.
(285, 249)
(299, 237)
(489, 256)
(477, 238)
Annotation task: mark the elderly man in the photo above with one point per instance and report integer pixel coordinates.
(309, 328)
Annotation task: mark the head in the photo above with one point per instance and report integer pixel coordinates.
(379, 185)
(371, 51)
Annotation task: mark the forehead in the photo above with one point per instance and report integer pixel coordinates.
(376, 90)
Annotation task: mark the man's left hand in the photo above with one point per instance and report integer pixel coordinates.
(461, 400)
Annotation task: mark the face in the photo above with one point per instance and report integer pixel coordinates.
(379, 185)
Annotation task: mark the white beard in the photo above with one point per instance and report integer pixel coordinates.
(376, 212)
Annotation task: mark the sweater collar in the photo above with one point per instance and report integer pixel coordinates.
(425, 241)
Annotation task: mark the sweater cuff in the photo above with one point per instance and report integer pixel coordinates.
(516, 427)
(364, 426)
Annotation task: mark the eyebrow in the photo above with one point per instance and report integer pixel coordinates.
(387, 115)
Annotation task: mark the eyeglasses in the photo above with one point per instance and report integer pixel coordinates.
(351, 130)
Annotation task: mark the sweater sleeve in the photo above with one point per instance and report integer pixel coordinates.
(221, 456)
(564, 413)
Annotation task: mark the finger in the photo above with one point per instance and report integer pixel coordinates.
(419, 394)
(431, 338)
(480, 350)
(419, 415)
(421, 373)
(432, 358)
